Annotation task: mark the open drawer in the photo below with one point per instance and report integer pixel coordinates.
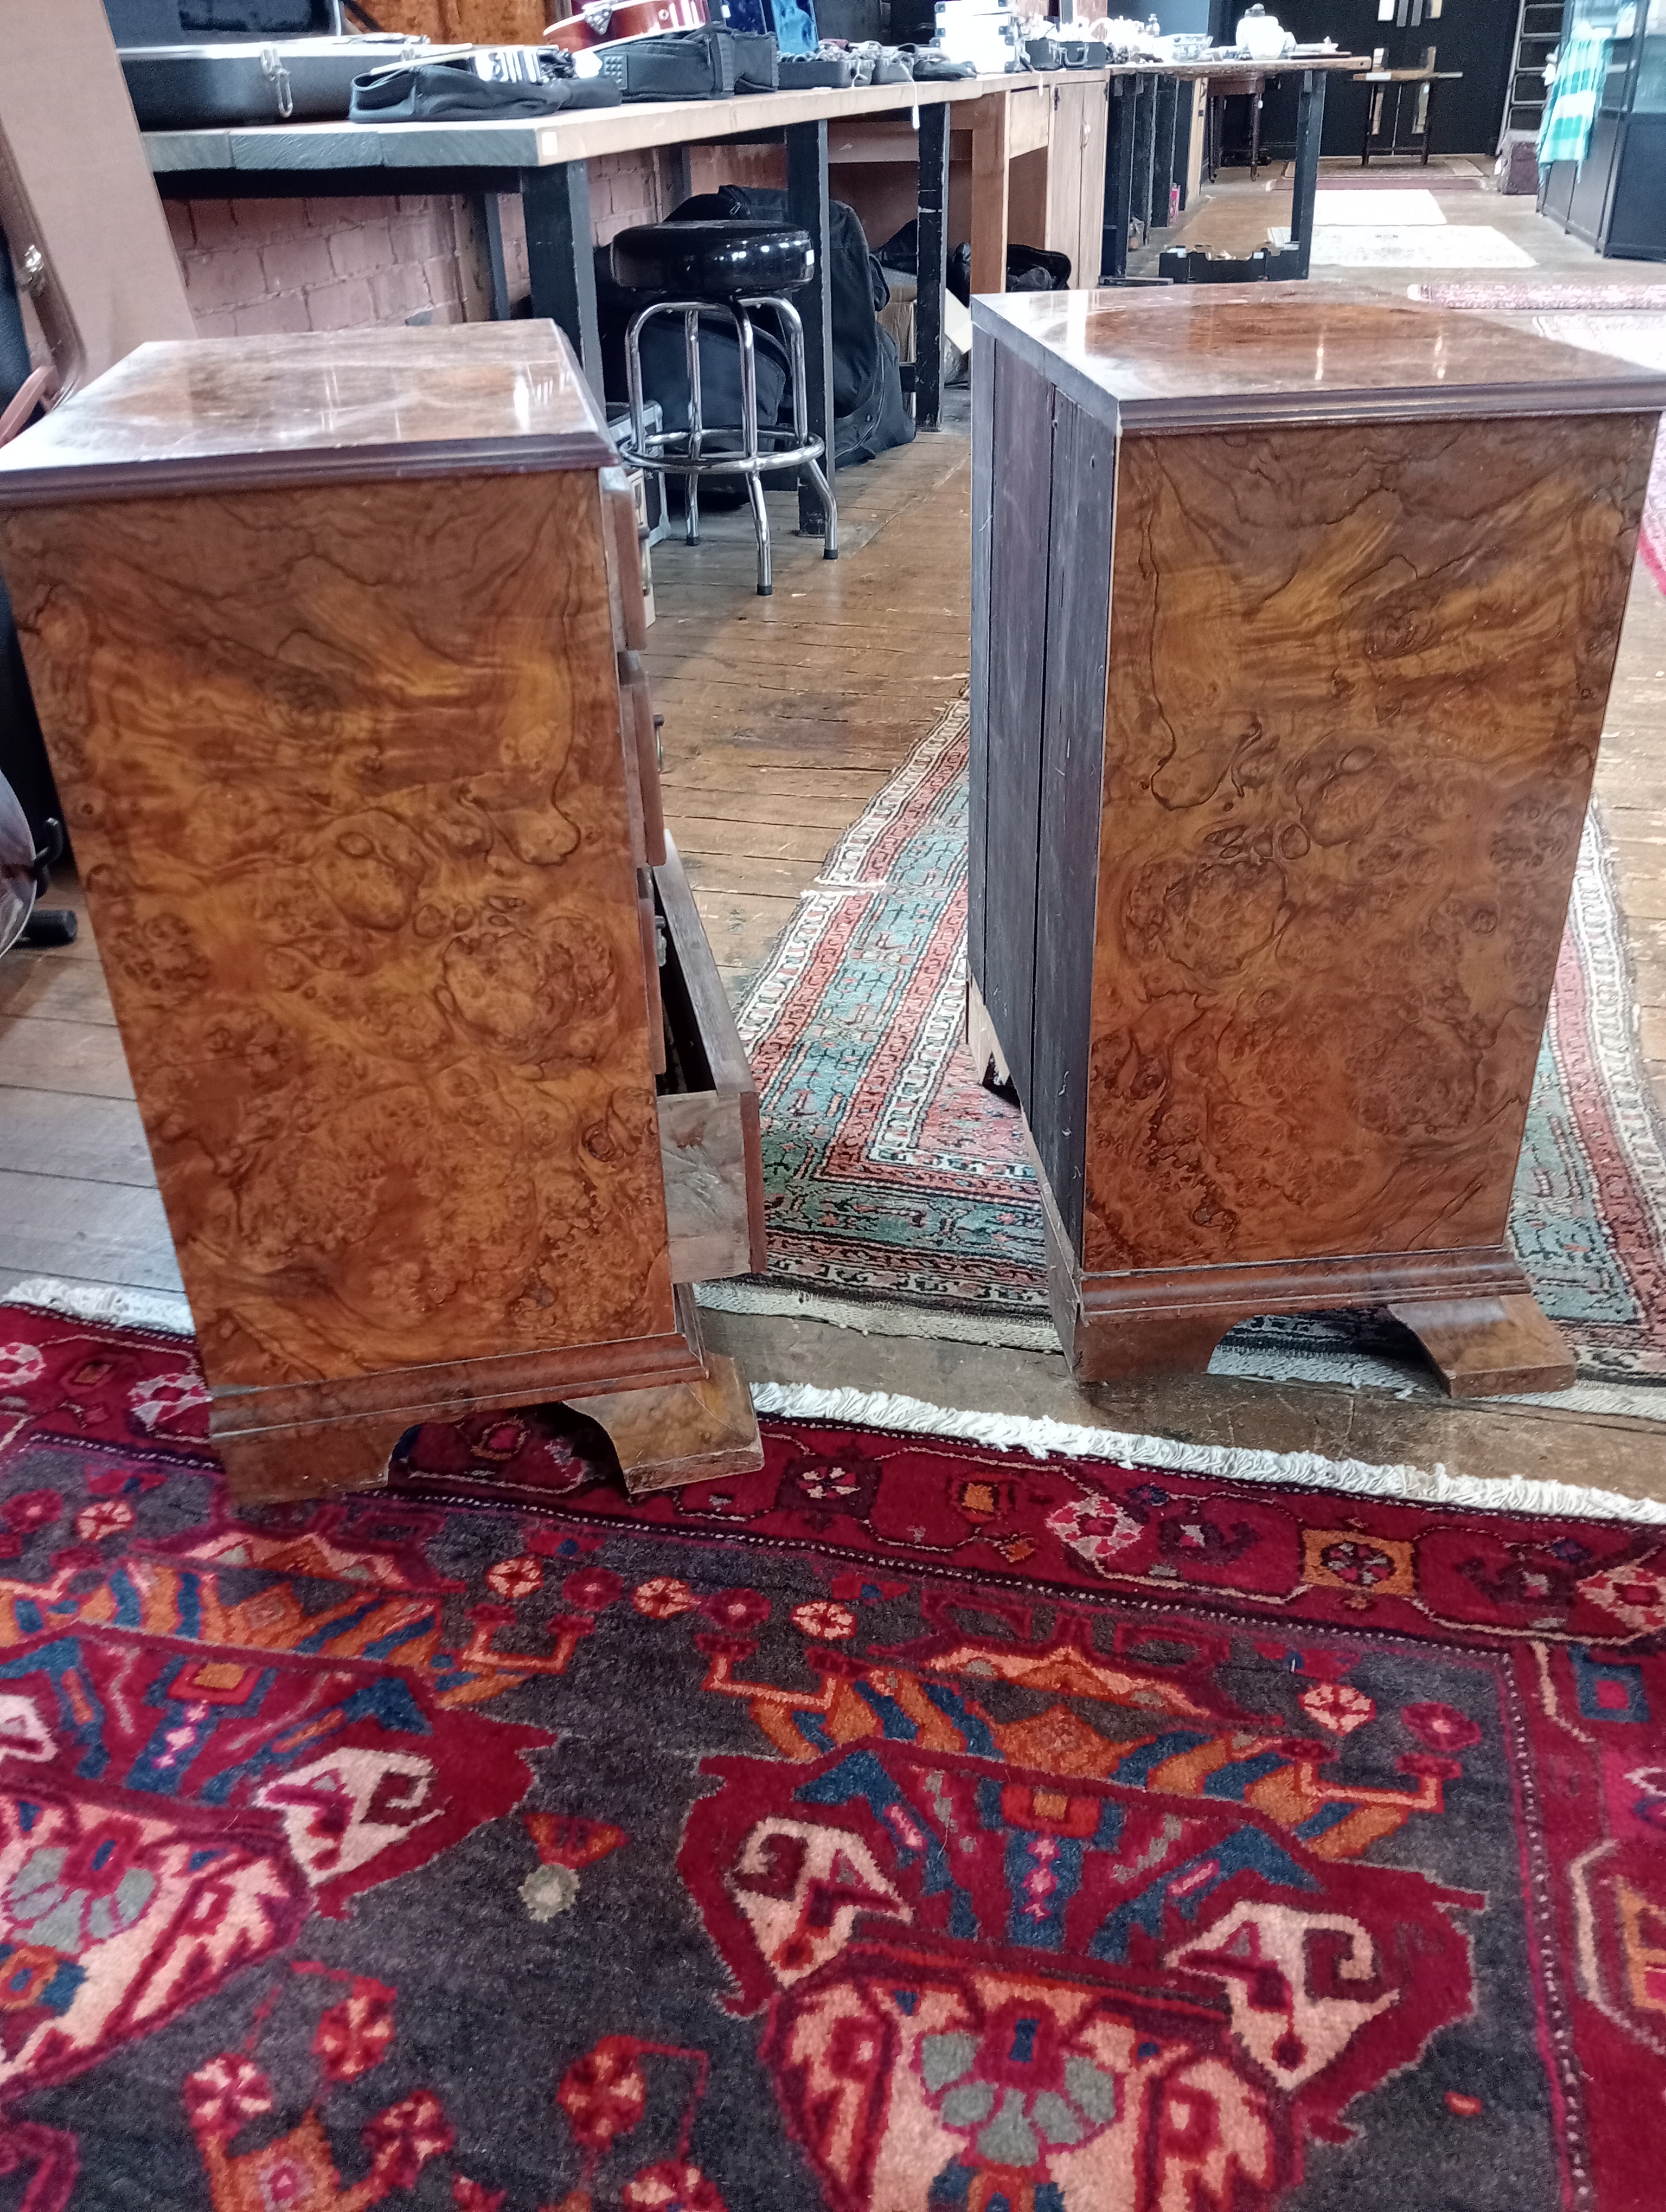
(711, 1154)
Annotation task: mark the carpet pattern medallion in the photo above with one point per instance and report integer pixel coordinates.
(908, 1828)
(894, 1181)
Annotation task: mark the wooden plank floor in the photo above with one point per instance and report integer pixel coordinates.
(1233, 216)
(784, 715)
(78, 1196)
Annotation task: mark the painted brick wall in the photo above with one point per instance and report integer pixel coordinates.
(254, 266)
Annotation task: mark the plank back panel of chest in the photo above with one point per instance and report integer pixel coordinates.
(1357, 683)
(1019, 520)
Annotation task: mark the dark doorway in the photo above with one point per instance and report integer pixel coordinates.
(1475, 36)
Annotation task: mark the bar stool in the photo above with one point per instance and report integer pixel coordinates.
(740, 270)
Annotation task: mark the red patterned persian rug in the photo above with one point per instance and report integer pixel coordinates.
(912, 1827)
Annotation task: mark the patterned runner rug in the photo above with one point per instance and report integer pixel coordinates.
(910, 1827)
(900, 1198)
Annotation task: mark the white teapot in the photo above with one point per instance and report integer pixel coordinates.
(1260, 35)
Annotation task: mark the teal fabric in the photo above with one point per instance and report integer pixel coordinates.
(1581, 66)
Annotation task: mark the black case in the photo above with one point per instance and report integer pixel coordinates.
(700, 64)
(188, 22)
(236, 81)
(757, 61)
(810, 72)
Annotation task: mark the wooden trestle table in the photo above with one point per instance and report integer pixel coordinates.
(546, 163)
(335, 645)
(1110, 143)
(1294, 613)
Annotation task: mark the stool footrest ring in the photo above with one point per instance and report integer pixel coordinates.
(663, 457)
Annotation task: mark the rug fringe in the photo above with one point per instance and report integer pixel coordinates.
(880, 1316)
(164, 1310)
(1041, 1435)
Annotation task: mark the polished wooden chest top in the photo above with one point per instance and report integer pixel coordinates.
(307, 408)
(1288, 686)
(1180, 354)
(323, 642)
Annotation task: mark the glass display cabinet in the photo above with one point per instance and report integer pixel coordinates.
(1614, 199)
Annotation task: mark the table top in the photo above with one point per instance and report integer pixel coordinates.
(580, 134)
(634, 127)
(1188, 356)
(207, 414)
(1285, 65)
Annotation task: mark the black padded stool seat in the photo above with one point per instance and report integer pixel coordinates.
(713, 260)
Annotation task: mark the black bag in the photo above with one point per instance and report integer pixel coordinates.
(188, 22)
(448, 92)
(1033, 269)
(1028, 267)
(870, 414)
(757, 61)
(808, 72)
(700, 64)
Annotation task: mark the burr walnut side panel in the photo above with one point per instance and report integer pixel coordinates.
(1357, 679)
(344, 776)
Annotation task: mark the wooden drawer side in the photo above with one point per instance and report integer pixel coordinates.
(710, 1149)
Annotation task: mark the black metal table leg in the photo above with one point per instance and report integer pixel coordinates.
(1162, 136)
(1184, 107)
(1145, 145)
(1309, 134)
(1119, 179)
(932, 265)
(491, 216)
(806, 209)
(559, 257)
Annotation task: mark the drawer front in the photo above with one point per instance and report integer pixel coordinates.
(703, 1146)
(711, 1154)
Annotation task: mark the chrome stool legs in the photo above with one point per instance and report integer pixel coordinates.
(792, 325)
(687, 453)
(692, 481)
(743, 323)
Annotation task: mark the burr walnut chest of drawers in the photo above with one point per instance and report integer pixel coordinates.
(1293, 618)
(334, 643)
